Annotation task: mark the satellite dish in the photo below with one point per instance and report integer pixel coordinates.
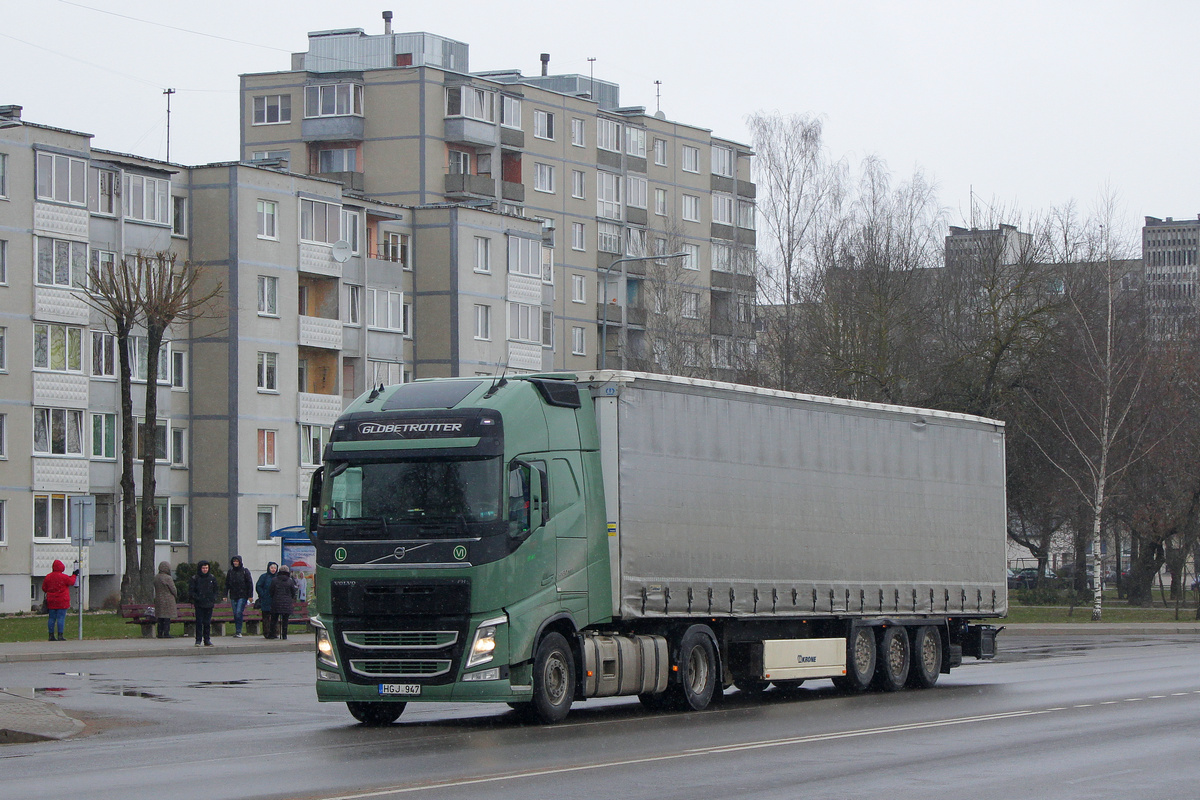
(341, 251)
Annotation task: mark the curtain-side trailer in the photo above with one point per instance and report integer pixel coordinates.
(542, 539)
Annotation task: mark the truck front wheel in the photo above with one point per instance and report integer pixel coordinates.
(375, 714)
(697, 669)
(860, 661)
(553, 679)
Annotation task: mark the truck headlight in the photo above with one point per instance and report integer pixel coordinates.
(325, 654)
(484, 644)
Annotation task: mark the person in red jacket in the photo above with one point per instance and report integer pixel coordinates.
(57, 588)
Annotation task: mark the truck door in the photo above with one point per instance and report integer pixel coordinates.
(570, 530)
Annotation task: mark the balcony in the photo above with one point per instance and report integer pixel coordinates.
(459, 185)
(512, 138)
(471, 131)
(320, 332)
(513, 191)
(351, 180)
(318, 409)
(333, 129)
(317, 259)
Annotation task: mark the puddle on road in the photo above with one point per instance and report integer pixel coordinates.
(122, 691)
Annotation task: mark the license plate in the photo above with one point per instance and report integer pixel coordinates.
(406, 689)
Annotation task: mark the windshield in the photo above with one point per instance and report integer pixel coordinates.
(412, 492)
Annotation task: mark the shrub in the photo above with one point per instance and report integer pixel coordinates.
(184, 573)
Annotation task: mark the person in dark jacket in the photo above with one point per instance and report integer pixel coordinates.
(165, 595)
(263, 589)
(204, 591)
(283, 598)
(239, 588)
(57, 588)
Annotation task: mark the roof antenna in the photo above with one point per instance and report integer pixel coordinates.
(375, 392)
(497, 385)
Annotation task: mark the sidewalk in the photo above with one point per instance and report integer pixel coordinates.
(25, 718)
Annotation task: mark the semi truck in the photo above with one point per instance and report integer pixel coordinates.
(544, 539)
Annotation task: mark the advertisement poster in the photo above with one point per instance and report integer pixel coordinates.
(300, 555)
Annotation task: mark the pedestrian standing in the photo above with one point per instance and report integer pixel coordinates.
(283, 597)
(204, 590)
(57, 588)
(239, 587)
(165, 595)
(263, 589)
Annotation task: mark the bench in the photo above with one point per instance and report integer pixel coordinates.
(185, 614)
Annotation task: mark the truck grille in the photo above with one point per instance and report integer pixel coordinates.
(400, 667)
(415, 640)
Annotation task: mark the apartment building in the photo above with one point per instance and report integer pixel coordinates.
(401, 118)
(1170, 264)
(314, 307)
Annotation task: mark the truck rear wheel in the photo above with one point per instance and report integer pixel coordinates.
(860, 661)
(895, 657)
(553, 679)
(926, 657)
(697, 670)
(376, 714)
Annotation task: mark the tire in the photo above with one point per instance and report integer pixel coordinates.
(926, 657)
(553, 679)
(894, 660)
(376, 714)
(697, 670)
(860, 661)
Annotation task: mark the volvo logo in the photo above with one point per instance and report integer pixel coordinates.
(398, 553)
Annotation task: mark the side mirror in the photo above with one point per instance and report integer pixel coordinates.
(314, 504)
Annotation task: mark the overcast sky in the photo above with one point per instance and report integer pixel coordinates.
(1028, 104)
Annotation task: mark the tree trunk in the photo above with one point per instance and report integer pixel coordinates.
(154, 336)
(131, 588)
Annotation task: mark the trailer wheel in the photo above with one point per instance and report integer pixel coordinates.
(860, 661)
(926, 657)
(697, 670)
(553, 679)
(895, 658)
(376, 714)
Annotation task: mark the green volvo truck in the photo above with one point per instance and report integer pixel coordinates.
(539, 540)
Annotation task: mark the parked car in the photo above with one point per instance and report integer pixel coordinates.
(1068, 571)
(1026, 577)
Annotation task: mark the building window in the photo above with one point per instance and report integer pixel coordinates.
(577, 183)
(104, 355)
(179, 215)
(3, 261)
(745, 214)
(394, 247)
(273, 109)
(635, 191)
(691, 305)
(104, 436)
(353, 305)
(660, 202)
(722, 161)
(57, 432)
(635, 242)
(660, 152)
(608, 135)
(468, 101)
(102, 198)
(692, 259)
(722, 257)
(691, 208)
(386, 373)
(578, 289)
(266, 522)
(608, 195)
(350, 229)
(268, 376)
(635, 141)
(722, 205)
(3, 514)
(578, 132)
(608, 237)
(320, 222)
(385, 310)
(268, 296)
(543, 178)
(483, 254)
(61, 179)
(61, 263)
(266, 449)
(334, 100)
(177, 528)
(578, 341)
(578, 236)
(483, 322)
(547, 329)
(3, 178)
(147, 199)
(3, 436)
(458, 162)
(178, 369)
(338, 159)
(268, 212)
(139, 357)
(57, 347)
(745, 307)
(160, 441)
(543, 124)
(523, 323)
(690, 159)
(3, 349)
(510, 111)
(524, 256)
(312, 444)
(547, 265)
(50, 516)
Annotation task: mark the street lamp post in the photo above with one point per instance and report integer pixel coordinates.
(604, 304)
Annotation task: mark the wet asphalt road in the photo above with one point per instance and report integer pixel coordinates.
(1064, 716)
